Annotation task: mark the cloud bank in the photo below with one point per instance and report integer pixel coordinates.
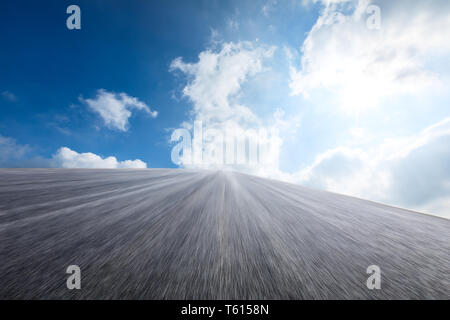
(412, 171)
(67, 158)
(16, 155)
(360, 65)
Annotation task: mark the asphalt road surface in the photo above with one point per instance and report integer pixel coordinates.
(187, 234)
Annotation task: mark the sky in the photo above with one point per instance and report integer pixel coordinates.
(350, 96)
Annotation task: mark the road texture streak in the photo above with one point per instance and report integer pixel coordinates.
(192, 234)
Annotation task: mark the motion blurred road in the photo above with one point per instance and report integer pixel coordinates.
(190, 234)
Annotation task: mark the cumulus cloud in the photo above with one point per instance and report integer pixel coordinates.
(362, 65)
(115, 109)
(412, 172)
(217, 78)
(67, 158)
(13, 155)
(213, 86)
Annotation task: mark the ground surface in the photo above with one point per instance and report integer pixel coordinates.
(175, 234)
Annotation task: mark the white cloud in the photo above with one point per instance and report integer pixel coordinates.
(361, 66)
(214, 85)
(67, 158)
(412, 172)
(357, 67)
(217, 78)
(115, 109)
(14, 155)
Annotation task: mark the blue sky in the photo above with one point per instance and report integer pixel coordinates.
(353, 109)
(122, 47)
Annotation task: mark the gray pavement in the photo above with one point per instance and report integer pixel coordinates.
(191, 234)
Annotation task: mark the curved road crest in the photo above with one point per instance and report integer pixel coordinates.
(191, 234)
